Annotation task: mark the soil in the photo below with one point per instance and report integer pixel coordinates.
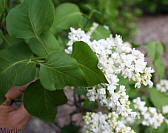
(153, 28)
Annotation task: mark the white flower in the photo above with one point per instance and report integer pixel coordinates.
(149, 114)
(165, 109)
(162, 86)
(92, 29)
(104, 123)
(115, 57)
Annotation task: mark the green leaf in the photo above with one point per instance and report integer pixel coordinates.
(1, 37)
(130, 89)
(100, 33)
(16, 68)
(70, 129)
(90, 105)
(135, 45)
(159, 49)
(11, 41)
(30, 19)
(158, 99)
(49, 41)
(82, 91)
(41, 102)
(164, 47)
(159, 65)
(3, 6)
(59, 71)
(162, 129)
(151, 49)
(66, 15)
(155, 51)
(88, 62)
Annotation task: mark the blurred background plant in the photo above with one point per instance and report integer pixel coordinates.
(119, 15)
(152, 6)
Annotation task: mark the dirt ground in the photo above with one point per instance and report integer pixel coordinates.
(153, 28)
(150, 28)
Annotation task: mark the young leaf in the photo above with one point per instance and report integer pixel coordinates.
(88, 62)
(159, 99)
(30, 19)
(50, 42)
(59, 71)
(100, 33)
(151, 49)
(16, 68)
(159, 65)
(155, 51)
(66, 15)
(43, 106)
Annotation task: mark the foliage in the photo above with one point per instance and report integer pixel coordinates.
(33, 38)
(155, 50)
(153, 6)
(36, 52)
(118, 15)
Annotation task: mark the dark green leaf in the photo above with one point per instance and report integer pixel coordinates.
(88, 62)
(61, 70)
(135, 45)
(3, 6)
(16, 68)
(70, 129)
(30, 19)
(66, 15)
(49, 41)
(82, 91)
(1, 37)
(11, 41)
(41, 102)
(90, 104)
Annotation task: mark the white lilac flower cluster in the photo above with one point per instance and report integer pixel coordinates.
(115, 57)
(115, 100)
(92, 29)
(165, 109)
(149, 115)
(104, 123)
(162, 86)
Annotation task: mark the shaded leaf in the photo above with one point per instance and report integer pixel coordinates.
(14, 66)
(44, 105)
(70, 129)
(61, 70)
(3, 6)
(88, 62)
